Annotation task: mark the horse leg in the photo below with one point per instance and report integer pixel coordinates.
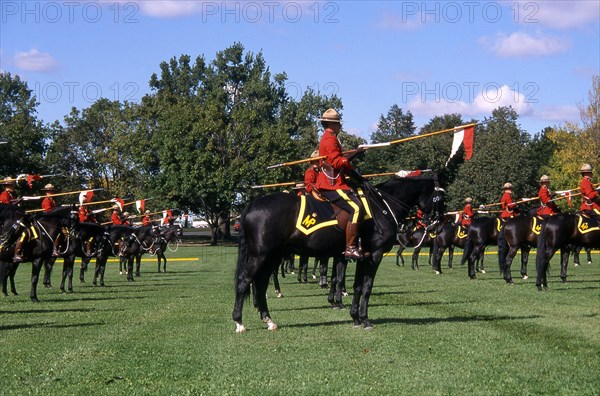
(415, 259)
(261, 283)
(130, 260)
(564, 260)
(450, 256)
(324, 261)
(48, 265)
(340, 280)
(399, 257)
(512, 251)
(543, 258)
(11, 276)
(4, 277)
(275, 284)
(63, 276)
(438, 252)
(524, 259)
(472, 258)
(589, 255)
(371, 265)
(138, 263)
(70, 273)
(102, 271)
(314, 270)
(359, 277)
(82, 268)
(576, 252)
(36, 267)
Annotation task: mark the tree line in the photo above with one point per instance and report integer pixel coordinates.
(208, 129)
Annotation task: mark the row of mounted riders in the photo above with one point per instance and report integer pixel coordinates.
(85, 240)
(269, 232)
(517, 233)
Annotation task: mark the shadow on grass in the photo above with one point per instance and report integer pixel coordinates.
(48, 326)
(422, 321)
(35, 311)
(90, 299)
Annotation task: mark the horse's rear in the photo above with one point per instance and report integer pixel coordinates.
(266, 228)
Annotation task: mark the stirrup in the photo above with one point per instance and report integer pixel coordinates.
(352, 253)
(55, 253)
(17, 258)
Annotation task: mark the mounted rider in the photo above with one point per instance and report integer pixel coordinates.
(467, 213)
(547, 206)
(116, 217)
(331, 181)
(48, 204)
(590, 198)
(311, 173)
(509, 207)
(8, 196)
(146, 219)
(86, 215)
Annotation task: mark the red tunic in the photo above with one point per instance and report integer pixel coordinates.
(48, 204)
(467, 215)
(146, 220)
(331, 148)
(546, 207)
(167, 218)
(419, 223)
(588, 194)
(85, 215)
(6, 197)
(310, 178)
(115, 218)
(508, 206)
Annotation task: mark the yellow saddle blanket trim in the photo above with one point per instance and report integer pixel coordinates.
(584, 227)
(498, 224)
(536, 227)
(308, 223)
(461, 232)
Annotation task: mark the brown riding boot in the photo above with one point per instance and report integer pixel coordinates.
(18, 257)
(351, 252)
(55, 246)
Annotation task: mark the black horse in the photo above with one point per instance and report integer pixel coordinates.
(563, 231)
(139, 241)
(483, 232)
(40, 242)
(417, 239)
(168, 237)
(447, 236)
(576, 252)
(10, 217)
(268, 232)
(108, 246)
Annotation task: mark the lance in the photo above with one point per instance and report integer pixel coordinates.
(384, 144)
(57, 194)
(24, 177)
(275, 185)
(134, 216)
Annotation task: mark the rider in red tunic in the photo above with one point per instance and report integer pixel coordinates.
(590, 199)
(146, 219)
(508, 206)
(467, 213)
(331, 182)
(115, 217)
(48, 203)
(547, 206)
(8, 196)
(311, 173)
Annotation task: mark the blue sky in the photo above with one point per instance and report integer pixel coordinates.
(429, 57)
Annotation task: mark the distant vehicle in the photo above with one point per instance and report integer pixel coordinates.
(199, 224)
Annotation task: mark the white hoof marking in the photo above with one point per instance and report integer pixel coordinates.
(272, 326)
(525, 277)
(240, 328)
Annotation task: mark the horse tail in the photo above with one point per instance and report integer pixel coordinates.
(242, 260)
(540, 256)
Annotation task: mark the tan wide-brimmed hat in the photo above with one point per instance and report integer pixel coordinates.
(507, 186)
(7, 182)
(147, 211)
(544, 179)
(468, 200)
(331, 115)
(586, 168)
(48, 187)
(315, 154)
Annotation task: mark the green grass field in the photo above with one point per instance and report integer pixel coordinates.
(173, 334)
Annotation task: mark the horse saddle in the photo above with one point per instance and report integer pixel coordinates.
(315, 214)
(587, 224)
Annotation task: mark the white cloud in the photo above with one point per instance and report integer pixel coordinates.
(520, 44)
(36, 61)
(558, 113)
(556, 14)
(483, 103)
